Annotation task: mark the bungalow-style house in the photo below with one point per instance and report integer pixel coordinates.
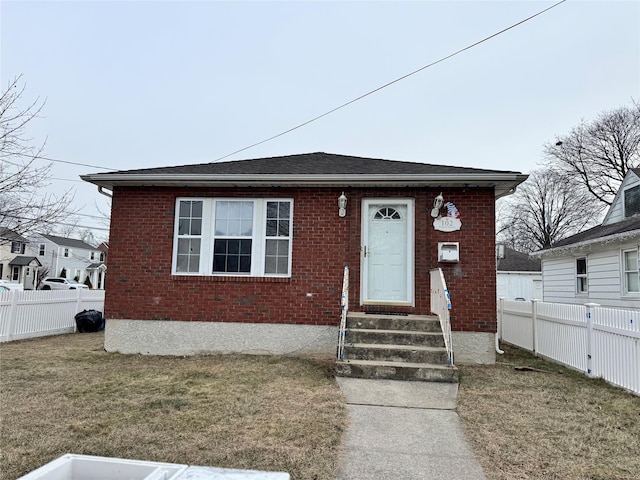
(599, 265)
(16, 264)
(71, 258)
(248, 256)
(519, 275)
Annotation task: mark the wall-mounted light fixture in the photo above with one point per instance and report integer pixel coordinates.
(437, 205)
(342, 205)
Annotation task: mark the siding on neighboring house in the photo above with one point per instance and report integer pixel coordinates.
(519, 285)
(558, 280)
(616, 211)
(604, 274)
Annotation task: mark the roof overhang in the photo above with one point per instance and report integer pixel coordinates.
(504, 184)
(580, 247)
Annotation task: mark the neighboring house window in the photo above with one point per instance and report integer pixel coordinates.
(17, 247)
(41, 249)
(631, 277)
(15, 273)
(66, 252)
(233, 237)
(632, 201)
(102, 256)
(581, 275)
(93, 255)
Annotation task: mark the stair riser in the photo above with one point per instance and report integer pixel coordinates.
(393, 355)
(423, 374)
(386, 338)
(394, 323)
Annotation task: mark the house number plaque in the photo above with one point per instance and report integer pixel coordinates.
(449, 223)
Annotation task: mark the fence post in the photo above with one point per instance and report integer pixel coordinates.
(78, 306)
(590, 347)
(13, 312)
(534, 325)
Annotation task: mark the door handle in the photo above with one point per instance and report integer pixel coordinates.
(364, 249)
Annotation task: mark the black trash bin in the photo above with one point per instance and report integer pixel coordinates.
(89, 321)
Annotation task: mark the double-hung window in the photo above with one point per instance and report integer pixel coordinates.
(581, 275)
(189, 236)
(233, 236)
(630, 266)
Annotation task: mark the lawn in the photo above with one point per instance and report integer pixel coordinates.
(548, 423)
(65, 394)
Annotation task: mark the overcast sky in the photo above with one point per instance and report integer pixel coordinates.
(147, 84)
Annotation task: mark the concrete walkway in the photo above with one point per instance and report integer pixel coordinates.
(404, 431)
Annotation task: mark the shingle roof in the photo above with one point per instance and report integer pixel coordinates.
(515, 261)
(68, 242)
(318, 163)
(23, 261)
(9, 235)
(312, 170)
(601, 231)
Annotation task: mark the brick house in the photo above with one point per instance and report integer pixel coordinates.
(248, 256)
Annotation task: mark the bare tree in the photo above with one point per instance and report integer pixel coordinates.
(545, 209)
(24, 204)
(597, 154)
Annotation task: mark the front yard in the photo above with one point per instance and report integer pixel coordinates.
(65, 394)
(548, 422)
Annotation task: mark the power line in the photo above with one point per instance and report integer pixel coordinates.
(49, 159)
(19, 218)
(392, 82)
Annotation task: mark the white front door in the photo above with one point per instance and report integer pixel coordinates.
(387, 251)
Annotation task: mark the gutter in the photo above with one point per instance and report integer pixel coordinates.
(504, 183)
(617, 237)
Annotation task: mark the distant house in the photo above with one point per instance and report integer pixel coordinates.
(248, 256)
(519, 275)
(71, 258)
(600, 264)
(16, 263)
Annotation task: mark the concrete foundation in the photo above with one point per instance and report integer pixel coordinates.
(152, 337)
(155, 337)
(474, 348)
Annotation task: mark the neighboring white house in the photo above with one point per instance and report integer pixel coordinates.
(16, 263)
(600, 264)
(519, 275)
(74, 258)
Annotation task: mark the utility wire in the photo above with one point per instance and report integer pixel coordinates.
(392, 82)
(40, 157)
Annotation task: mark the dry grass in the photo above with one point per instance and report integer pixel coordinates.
(65, 394)
(558, 425)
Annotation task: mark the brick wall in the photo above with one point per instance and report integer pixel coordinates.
(140, 284)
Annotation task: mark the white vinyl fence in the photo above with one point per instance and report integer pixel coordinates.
(36, 313)
(602, 342)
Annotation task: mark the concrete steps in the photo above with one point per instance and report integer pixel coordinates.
(396, 347)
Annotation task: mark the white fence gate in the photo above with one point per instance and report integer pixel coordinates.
(602, 342)
(36, 313)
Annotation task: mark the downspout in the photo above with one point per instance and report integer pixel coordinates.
(498, 319)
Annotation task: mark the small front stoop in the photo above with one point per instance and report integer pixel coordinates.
(395, 347)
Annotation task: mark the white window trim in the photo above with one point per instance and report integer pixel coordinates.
(623, 276)
(207, 237)
(581, 275)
